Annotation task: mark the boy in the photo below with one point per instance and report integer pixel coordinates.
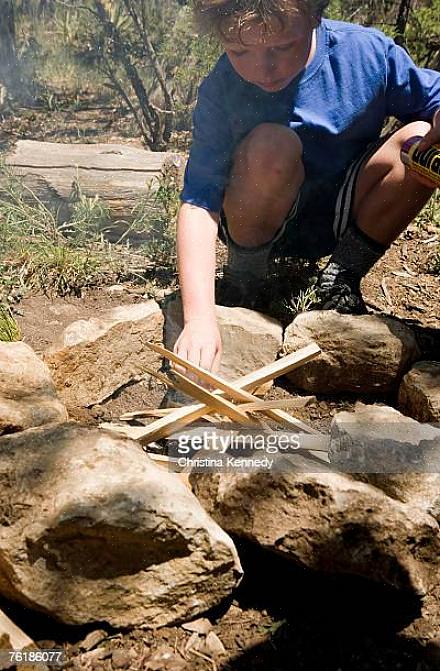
(287, 156)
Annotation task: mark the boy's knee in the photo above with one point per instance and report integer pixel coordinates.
(390, 153)
(271, 148)
(410, 130)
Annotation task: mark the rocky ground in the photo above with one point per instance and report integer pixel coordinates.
(281, 617)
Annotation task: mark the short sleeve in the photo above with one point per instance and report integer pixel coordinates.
(210, 155)
(412, 93)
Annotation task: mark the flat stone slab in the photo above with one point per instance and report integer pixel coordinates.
(97, 357)
(393, 452)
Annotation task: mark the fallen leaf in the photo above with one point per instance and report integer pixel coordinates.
(93, 639)
(201, 626)
(212, 646)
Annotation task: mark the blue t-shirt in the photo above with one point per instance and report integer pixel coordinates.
(337, 105)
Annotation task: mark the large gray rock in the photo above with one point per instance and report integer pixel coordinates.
(27, 393)
(92, 531)
(327, 522)
(419, 393)
(394, 453)
(365, 354)
(250, 339)
(97, 357)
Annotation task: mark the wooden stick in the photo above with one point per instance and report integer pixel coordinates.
(133, 432)
(18, 639)
(165, 426)
(254, 379)
(276, 404)
(235, 392)
(148, 412)
(157, 412)
(213, 402)
(280, 367)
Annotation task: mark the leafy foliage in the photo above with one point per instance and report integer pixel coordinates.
(35, 252)
(419, 32)
(155, 217)
(9, 329)
(147, 59)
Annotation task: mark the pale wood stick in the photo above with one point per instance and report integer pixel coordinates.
(133, 432)
(256, 378)
(239, 394)
(157, 412)
(165, 426)
(148, 412)
(280, 367)
(163, 458)
(279, 403)
(17, 637)
(213, 402)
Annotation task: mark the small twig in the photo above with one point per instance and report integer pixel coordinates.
(205, 657)
(408, 270)
(386, 293)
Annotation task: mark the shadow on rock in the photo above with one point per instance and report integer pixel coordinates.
(325, 623)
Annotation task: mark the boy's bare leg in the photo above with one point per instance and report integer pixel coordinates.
(265, 179)
(387, 198)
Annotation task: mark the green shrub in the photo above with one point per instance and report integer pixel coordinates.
(155, 218)
(37, 253)
(9, 329)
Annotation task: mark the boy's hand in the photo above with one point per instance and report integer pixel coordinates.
(431, 137)
(200, 343)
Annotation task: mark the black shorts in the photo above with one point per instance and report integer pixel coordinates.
(319, 216)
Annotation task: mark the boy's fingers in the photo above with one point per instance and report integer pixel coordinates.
(194, 355)
(429, 139)
(425, 143)
(207, 358)
(217, 361)
(181, 351)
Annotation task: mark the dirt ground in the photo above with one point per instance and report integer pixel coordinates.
(307, 622)
(313, 622)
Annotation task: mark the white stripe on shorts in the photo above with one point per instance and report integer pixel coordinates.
(345, 198)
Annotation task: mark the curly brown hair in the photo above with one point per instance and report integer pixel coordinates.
(212, 16)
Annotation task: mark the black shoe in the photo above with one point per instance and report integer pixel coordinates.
(339, 289)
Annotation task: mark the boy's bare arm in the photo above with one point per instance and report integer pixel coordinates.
(200, 340)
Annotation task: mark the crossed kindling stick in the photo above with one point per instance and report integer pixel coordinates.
(241, 404)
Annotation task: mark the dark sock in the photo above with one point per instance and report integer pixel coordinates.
(357, 252)
(338, 285)
(248, 264)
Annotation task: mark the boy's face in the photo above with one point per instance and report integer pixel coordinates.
(271, 59)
